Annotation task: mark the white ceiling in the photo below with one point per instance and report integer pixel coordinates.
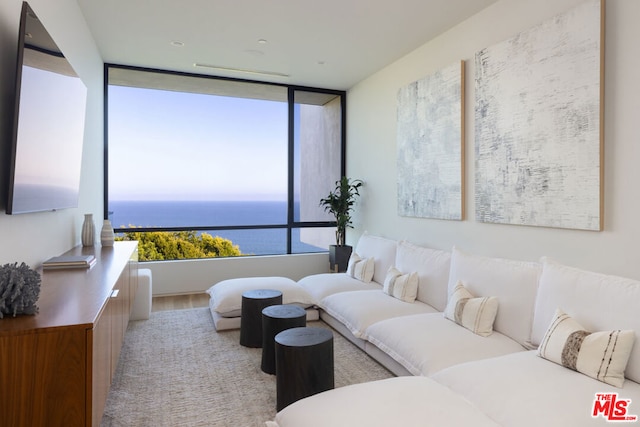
(331, 44)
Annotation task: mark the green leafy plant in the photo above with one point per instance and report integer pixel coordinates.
(340, 204)
(165, 245)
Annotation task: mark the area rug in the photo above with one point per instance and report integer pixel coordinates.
(176, 370)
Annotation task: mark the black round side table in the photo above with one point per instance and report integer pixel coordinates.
(253, 302)
(304, 364)
(275, 319)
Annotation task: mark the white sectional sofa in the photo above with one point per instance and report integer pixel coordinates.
(453, 375)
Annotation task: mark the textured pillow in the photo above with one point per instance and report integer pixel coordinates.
(360, 268)
(405, 287)
(389, 280)
(475, 314)
(401, 286)
(600, 355)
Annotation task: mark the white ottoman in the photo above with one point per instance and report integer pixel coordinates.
(226, 298)
(142, 302)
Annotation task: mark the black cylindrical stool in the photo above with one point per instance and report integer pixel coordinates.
(275, 319)
(253, 302)
(304, 364)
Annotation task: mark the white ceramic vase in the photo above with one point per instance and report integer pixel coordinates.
(106, 235)
(88, 230)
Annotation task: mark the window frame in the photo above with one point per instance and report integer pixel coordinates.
(291, 224)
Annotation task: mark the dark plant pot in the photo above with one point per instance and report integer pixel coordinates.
(339, 257)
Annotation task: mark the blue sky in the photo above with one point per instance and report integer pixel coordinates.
(183, 146)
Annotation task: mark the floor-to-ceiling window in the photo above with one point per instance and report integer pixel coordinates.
(242, 160)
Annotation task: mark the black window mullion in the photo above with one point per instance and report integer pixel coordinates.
(291, 165)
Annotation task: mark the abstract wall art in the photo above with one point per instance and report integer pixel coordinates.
(430, 145)
(538, 124)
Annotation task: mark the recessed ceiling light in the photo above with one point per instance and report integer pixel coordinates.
(177, 43)
(262, 41)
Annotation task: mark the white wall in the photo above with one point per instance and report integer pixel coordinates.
(193, 276)
(371, 149)
(35, 237)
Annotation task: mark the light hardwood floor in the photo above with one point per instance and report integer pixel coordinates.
(179, 302)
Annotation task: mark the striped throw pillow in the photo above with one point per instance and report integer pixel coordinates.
(360, 268)
(390, 279)
(600, 355)
(401, 286)
(475, 314)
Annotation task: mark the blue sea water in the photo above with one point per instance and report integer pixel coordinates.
(196, 214)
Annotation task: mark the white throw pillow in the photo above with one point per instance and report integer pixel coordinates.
(475, 314)
(405, 287)
(389, 280)
(600, 355)
(360, 268)
(401, 286)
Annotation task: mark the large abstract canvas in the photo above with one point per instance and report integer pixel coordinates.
(538, 124)
(430, 146)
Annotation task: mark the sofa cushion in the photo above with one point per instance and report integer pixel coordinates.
(475, 314)
(226, 296)
(360, 268)
(403, 401)
(382, 250)
(426, 343)
(597, 301)
(432, 266)
(524, 390)
(322, 285)
(514, 283)
(600, 355)
(358, 309)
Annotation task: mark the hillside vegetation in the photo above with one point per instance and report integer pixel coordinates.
(172, 245)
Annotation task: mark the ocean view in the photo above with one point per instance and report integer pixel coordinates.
(198, 214)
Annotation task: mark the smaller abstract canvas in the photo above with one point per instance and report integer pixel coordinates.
(430, 146)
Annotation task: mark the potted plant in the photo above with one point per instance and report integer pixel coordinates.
(340, 203)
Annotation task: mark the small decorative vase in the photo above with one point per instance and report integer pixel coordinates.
(106, 235)
(88, 230)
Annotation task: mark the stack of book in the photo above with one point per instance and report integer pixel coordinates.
(69, 261)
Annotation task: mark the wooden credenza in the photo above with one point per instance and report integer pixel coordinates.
(56, 367)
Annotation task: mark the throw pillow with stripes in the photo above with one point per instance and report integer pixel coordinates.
(475, 314)
(600, 355)
(360, 268)
(401, 286)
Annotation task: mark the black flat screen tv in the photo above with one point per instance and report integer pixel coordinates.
(48, 125)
